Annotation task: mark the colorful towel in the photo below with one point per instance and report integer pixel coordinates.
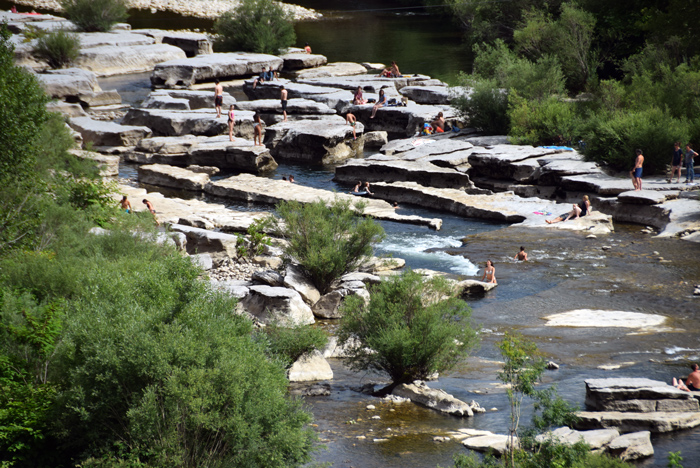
(542, 213)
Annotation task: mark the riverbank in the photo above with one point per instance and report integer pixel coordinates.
(209, 9)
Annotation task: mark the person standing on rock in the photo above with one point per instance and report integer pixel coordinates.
(636, 172)
(257, 130)
(218, 98)
(231, 122)
(489, 273)
(689, 162)
(676, 162)
(692, 383)
(283, 99)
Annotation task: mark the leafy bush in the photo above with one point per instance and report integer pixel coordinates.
(327, 241)
(289, 344)
(411, 328)
(261, 26)
(612, 138)
(547, 122)
(58, 48)
(95, 15)
(256, 241)
(486, 107)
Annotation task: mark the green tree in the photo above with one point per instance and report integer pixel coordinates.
(327, 240)
(411, 328)
(261, 26)
(95, 15)
(289, 344)
(58, 48)
(485, 106)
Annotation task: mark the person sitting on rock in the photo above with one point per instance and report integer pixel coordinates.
(264, 76)
(366, 188)
(392, 71)
(582, 209)
(356, 188)
(358, 100)
(438, 124)
(381, 102)
(692, 383)
(489, 273)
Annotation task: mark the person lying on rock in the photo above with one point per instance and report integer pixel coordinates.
(692, 383)
(582, 209)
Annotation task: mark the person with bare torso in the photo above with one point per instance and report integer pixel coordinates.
(692, 383)
(636, 172)
(218, 98)
(489, 273)
(283, 99)
(125, 204)
(522, 255)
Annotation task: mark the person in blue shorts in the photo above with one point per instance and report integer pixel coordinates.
(636, 172)
(676, 162)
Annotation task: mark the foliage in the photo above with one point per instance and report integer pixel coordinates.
(486, 107)
(674, 460)
(256, 241)
(95, 15)
(289, 344)
(327, 241)
(411, 328)
(261, 26)
(550, 121)
(58, 48)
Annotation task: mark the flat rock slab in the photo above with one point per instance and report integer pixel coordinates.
(643, 197)
(474, 288)
(117, 39)
(262, 190)
(207, 241)
(297, 61)
(194, 99)
(187, 71)
(172, 176)
(115, 60)
(334, 98)
(596, 183)
(310, 367)
(398, 121)
(427, 94)
(605, 319)
(102, 133)
(439, 400)
(369, 83)
(639, 394)
(332, 69)
(632, 446)
(312, 141)
(656, 422)
(193, 122)
(277, 305)
(191, 43)
(68, 82)
(595, 439)
(294, 106)
(497, 443)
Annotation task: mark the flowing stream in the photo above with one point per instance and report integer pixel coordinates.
(566, 271)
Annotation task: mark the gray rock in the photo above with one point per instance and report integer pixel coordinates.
(100, 98)
(191, 43)
(353, 285)
(267, 261)
(642, 197)
(632, 446)
(68, 82)
(312, 141)
(366, 278)
(400, 121)
(418, 392)
(427, 94)
(206, 241)
(601, 393)
(420, 172)
(239, 155)
(328, 306)
(295, 279)
(203, 260)
(102, 133)
(188, 71)
(237, 289)
(269, 277)
(118, 39)
(601, 184)
(551, 365)
(369, 83)
(332, 97)
(310, 367)
(296, 61)
(595, 439)
(496, 443)
(332, 69)
(160, 101)
(172, 176)
(196, 99)
(375, 139)
(209, 170)
(66, 109)
(116, 60)
(474, 288)
(280, 305)
(315, 390)
(108, 165)
(656, 422)
(178, 123)
(294, 106)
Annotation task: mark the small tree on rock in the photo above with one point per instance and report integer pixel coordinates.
(261, 26)
(411, 328)
(58, 48)
(95, 15)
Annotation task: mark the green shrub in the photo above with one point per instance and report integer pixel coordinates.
(550, 121)
(327, 241)
(612, 138)
(256, 241)
(95, 15)
(411, 328)
(486, 107)
(260, 26)
(58, 48)
(289, 344)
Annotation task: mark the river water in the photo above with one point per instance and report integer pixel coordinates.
(566, 271)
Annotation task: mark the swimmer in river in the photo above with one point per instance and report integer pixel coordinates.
(489, 273)
(522, 255)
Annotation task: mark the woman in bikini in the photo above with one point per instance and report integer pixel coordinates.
(231, 121)
(489, 273)
(257, 135)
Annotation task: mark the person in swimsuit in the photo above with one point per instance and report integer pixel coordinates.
(125, 204)
(582, 209)
(489, 273)
(231, 122)
(283, 100)
(676, 161)
(218, 98)
(689, 162)
(636, 172)
(291, 179)
(257, 130)
(692, 383)
(357, 188)
(381, 102)
(149, 205)
(438, 124)
(366, 188)
(307, 48)
(522, 255)
(351, 120)
(358, 100)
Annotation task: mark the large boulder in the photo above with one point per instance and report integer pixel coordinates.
(191, 43)
(68, 82)
(172, 176)
(207, 241)
(632, 446)
(297, 61)
(188, 71)
(111, 60)
(638, 395)
(332, 69)
(328, 306)
(310, 367)
(439, 400)
(656, 422)
(334, 98)
(398, 121)
(102, 133)
(193, 122)
(195, 99)
(294, 278)
(427, 94)
(277, 305)
(495, 443)
(312, 141)
(397, 170)
(294, 106)
(595, 439)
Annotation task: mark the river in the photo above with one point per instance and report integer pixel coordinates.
(566, 271)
